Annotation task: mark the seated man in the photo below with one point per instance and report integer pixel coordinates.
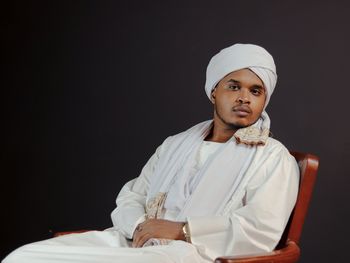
(222, 187)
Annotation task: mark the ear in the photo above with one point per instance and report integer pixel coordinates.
(213, 94)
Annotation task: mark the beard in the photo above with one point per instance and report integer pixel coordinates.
(230, 125)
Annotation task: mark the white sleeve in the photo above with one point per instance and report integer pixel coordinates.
(131, 200)
(257, 226)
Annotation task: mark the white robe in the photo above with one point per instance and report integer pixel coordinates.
(251, 223)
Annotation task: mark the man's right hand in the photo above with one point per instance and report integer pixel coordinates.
(157, 228)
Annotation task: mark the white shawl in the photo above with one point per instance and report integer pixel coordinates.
(214, 184)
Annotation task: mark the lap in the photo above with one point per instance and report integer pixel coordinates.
(102, 247)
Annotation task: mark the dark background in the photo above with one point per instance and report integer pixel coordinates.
(91, 88)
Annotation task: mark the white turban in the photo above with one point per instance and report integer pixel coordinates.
(240, 56)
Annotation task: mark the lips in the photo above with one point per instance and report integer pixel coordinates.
(242, 111)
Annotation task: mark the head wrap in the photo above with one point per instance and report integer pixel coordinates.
(240, 56)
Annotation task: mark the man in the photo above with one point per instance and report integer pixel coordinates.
(223, 187)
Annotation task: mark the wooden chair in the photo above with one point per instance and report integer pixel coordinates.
(287, 251)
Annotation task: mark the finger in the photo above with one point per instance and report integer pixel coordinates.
(134, 241)
(142, 240)
(137, 233)
(138, 237)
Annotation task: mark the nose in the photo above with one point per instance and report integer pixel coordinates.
(243, 97)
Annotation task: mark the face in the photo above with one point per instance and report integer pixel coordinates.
(238, 99)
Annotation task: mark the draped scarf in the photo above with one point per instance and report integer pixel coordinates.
(215, 182)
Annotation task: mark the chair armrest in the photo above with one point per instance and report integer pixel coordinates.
(289, 254)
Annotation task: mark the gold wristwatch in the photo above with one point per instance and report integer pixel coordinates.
(186, 231)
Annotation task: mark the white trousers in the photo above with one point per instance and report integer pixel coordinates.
(101, 247)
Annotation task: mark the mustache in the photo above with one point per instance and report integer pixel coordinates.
(243, 108)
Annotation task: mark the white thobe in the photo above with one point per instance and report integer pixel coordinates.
(251, 223)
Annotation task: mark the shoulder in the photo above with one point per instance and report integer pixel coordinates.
(274, 147)
(274, 154)
(274, 163)
(177, 138)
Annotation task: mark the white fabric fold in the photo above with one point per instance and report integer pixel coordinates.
(214, 184)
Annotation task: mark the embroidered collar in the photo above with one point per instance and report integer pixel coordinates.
(252, 135)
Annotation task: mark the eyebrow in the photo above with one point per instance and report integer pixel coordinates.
(256, 86)
(233, 80)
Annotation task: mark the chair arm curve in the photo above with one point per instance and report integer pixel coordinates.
(289, 254)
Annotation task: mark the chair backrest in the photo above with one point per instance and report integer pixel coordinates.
(308, 165)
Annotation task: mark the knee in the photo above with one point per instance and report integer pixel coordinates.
(16, 256)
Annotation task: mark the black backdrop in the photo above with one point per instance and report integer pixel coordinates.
(92, 87)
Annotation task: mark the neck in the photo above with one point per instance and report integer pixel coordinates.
(220, 133)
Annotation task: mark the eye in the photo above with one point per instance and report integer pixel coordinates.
(233, 87)
(257, 91)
